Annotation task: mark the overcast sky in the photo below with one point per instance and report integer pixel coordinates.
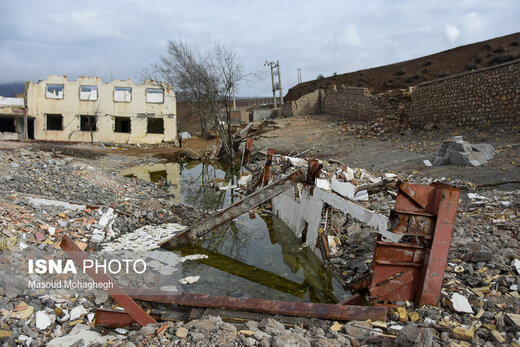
(118, 38)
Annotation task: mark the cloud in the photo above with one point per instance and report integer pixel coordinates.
(451, 32)
(118, 37)
(349, 36)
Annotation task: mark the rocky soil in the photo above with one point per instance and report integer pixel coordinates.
(479, 298)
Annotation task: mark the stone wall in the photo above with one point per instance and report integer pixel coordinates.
(307, 104)
(484, 97)
(356, 104)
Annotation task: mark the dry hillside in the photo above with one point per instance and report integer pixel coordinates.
(412, 72)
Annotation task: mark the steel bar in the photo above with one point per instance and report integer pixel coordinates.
(113, 319)
(80, 258)
(268, 166)
(247, 151)
(295, 309)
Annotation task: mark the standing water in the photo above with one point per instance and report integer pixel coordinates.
(257, 257)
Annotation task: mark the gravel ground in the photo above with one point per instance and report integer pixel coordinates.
(482, 265)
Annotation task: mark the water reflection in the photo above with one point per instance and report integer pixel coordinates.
(247, 263)
(154, 173)
(193, 177)
(259, 257)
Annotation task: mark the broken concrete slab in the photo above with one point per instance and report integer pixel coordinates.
(346, 189)
(459, 152)
(46, 202)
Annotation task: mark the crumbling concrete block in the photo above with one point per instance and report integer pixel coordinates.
(459, 152)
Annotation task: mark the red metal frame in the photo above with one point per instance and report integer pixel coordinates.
(414, 271)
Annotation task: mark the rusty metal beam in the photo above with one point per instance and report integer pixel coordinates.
(113, 319)
(295, 309)
(247, 151)
(233, 211)
(80, 258)
(446, 200)
(268, 166)
(313, 170)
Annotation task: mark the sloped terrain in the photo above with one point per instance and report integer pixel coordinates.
(412, 72)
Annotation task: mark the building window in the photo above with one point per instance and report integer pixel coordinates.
(122, 125)
(88, 123)
(155, 126)
(122, 94)
(155, 95)
(54, 122)
(7, 124)
(54, 91)
(87, 93)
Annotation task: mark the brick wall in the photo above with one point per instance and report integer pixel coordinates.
(484, 97)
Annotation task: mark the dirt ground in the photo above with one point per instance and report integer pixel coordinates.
(117, 156)
(323, 137)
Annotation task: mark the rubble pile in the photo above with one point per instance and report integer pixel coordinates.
(44, 197)
(374, 128)
(459, 152)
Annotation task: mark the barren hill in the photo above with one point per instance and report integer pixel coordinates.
(412, 72)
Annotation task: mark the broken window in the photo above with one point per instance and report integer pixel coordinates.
(88, 92)
(54, 122)
(88, 123)
(122, 94)
(122, 124)
(54, 91)
(155, 126)
(7, 125)
(154, 95)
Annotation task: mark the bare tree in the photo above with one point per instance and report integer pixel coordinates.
(92, 120)
(206, 80)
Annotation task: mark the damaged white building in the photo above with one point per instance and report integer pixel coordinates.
(88, 110)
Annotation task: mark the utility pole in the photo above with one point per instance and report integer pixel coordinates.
(279, 82)
(272, 82)
(276, 86)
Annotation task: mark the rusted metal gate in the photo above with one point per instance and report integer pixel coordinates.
(413, 269)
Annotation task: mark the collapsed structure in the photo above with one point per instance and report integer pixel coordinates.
(89, 110)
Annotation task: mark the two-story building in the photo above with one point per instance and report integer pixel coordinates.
(90, 110)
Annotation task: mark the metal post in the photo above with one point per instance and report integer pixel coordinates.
(280, 82)
(25, 130)
(272, 82)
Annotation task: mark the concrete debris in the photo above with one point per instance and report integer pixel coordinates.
(480, 297)
(77, 312)
(194, 257)
(43, 320)
(460, 303)
(459, 152)
(83, 337)
(516, 264)
(189, 279)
